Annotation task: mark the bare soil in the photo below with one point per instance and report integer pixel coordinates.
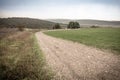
(74, 61)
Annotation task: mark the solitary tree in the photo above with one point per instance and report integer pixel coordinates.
(73, 25)
(77, 25)
(57, 26)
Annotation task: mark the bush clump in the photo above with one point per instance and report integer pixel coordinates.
(94, 26)
(73, 25)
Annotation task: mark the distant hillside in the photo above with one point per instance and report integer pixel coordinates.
(87, 23)
(27, 22)
(64, 21)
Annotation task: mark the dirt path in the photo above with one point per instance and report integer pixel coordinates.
(74, 61)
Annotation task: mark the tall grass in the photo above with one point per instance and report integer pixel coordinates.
(22, 59)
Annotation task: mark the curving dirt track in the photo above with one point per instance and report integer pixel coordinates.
(74, 61)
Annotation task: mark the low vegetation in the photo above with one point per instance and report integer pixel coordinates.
(26, 22)
(94, 26)
(21, 58)
(104, 38)
(21, 28)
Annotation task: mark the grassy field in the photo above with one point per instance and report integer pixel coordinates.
(103, 38)
(21, 58)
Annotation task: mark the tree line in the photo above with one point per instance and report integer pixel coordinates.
(71, 25)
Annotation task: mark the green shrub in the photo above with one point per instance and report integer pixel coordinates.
(73, 25)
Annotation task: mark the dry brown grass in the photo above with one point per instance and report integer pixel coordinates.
(20, 58)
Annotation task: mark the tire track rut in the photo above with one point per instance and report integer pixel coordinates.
(74, 61)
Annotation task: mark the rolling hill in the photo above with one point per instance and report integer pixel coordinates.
(27, 22)
(88, 22)
(49, 23)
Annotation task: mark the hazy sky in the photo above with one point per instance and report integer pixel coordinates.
(65, 9)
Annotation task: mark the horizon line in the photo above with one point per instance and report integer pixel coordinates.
(59, 18)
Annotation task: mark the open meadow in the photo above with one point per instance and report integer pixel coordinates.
(27, 54)
(103, 38)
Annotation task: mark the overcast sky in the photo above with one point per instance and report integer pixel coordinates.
(61, 9)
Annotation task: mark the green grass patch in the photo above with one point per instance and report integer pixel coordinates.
(103, 38)
(22, 59)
